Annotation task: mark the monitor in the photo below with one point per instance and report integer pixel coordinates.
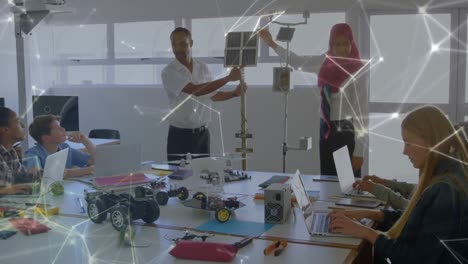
(64, 106)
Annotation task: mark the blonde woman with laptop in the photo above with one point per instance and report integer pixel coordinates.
(439, 207)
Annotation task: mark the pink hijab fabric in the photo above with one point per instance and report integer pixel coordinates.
(330, 73)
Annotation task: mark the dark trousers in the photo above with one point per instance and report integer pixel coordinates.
(342, 133)
(183, 141)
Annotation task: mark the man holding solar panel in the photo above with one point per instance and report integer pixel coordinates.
(190, 88)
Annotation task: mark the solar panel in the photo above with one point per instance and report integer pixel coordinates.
(241, 49)
(285, 34)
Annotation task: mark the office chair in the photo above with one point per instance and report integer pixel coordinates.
(104, 133)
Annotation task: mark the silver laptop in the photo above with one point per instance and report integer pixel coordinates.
(316, 221)
(113, 160)
(117, 159)
(53, 172)
(54, 169)
(345, 173)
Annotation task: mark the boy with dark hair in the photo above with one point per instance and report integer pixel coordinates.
(50, 137)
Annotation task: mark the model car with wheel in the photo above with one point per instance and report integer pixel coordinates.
(123, 208)
(223, 208)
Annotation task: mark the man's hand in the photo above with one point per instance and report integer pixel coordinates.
(265, 35)
(235, 74)
(240, 89)
(356, 162)
(77, 137)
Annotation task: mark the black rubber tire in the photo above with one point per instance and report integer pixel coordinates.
(140, 192)
(152, 211)
(97, 211)
(162, 198)
(199, 196)
(120, 217)
(183, 193)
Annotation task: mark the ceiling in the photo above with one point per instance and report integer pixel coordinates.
(105, 11)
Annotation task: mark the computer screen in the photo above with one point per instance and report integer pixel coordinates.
(2, 102)
(64, 106)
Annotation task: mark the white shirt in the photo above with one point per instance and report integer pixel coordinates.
(351, 102)
(188, 112)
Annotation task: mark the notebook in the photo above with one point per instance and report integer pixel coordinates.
(113, 160)
(316, 221)
(345, 174)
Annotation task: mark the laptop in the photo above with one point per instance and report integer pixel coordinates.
(53, 172)
(316, 221)
(114, 160)
(346, 175)
(54, 169)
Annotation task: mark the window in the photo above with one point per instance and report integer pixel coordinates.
(86, 74)
(138, 74)
(143, 39)
(209, 33)
(415, 66)
(312, 38)
(386, 143)
(43, 73)
(80, 42)
(260, 75)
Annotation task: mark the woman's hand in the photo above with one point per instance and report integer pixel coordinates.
(342, 224)
(265, 35)
(367, 186)
(355, 214)
(374, 179)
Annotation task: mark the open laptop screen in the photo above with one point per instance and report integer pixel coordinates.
(302, 199)
(344, 169)
(117, 159)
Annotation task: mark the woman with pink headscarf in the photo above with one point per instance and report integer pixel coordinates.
(343, 96)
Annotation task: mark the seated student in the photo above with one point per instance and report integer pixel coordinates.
(438, 208)
(50, 137)
(13, 176)
(396, 194)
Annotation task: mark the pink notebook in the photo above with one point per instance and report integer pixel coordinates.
(121, 180)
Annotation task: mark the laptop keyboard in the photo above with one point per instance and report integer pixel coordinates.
(321, 223)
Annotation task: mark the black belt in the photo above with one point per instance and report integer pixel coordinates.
(197, 130)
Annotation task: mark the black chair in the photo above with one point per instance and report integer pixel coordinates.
(104, 133)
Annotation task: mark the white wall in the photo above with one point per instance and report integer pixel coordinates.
(114, 108)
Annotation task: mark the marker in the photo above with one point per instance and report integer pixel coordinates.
(280, 249)
(271, 247)
(82, 209)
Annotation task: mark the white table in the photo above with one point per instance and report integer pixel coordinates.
(95, 141)
(75, 239)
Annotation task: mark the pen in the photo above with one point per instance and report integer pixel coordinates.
(82, 209)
